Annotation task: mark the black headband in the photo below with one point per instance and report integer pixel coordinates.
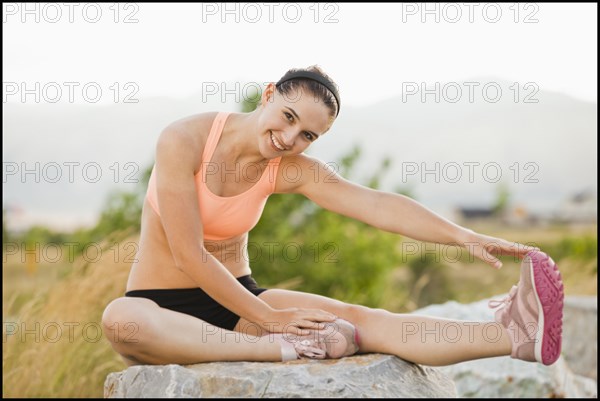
(315, 77)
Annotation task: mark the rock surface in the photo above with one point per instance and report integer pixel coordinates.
(372, 375)
(377, 375)
(580, 332)
(507, 377)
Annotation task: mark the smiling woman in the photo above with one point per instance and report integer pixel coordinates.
(185, 292)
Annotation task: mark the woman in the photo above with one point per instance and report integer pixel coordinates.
(190, 300)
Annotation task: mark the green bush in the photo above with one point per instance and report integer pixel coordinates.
(311, 249)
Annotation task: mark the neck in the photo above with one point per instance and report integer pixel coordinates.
(242, 138)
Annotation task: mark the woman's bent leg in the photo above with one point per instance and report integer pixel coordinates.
(142, 332)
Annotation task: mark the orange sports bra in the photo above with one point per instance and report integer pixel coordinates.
(226, 217)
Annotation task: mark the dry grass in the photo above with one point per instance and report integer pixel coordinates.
(56, 364)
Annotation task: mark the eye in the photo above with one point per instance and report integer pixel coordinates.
(288, 115)
(309, 136)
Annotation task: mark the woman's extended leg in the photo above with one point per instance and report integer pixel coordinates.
(529, 328)
(419, 339)
(142, 332)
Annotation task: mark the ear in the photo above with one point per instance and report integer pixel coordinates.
(268, 94)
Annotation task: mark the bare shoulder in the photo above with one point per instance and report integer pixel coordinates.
(299, 170)
(188, 134)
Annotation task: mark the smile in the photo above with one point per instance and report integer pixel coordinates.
(276, 143)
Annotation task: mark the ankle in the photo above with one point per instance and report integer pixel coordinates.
(288, 351)
(505, 345)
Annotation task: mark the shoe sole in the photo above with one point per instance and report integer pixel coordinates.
(549, 292)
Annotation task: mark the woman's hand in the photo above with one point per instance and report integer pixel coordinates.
(485, 247)
(296, 320)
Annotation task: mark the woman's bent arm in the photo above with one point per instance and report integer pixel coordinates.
(176, 157)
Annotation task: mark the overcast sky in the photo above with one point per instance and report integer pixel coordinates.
(100, 53)
(369, 49)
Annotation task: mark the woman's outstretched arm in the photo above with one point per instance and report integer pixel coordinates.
(395, 213)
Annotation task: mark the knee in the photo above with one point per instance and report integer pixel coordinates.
(116, 312)
(122, 319)
(356, 314)
(362, 317)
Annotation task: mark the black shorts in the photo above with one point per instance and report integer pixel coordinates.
(195, 302)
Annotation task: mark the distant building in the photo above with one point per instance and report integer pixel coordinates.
(467, 215)
(514, 216)
(580, 208)
(475, 213)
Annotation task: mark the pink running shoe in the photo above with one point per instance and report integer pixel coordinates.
(533, 311)
(338, 339)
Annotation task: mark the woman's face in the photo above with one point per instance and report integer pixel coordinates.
(288, 124)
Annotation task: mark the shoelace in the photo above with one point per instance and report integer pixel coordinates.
(502, 314)
(294, 348)
(310, 349)
(507, 300)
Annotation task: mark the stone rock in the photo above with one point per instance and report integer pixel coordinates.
(580, 335)
(507, 377)
(370, 375)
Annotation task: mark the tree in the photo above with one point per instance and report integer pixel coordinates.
(502, 199)
(251, 102)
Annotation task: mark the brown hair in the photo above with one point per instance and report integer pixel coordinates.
(317, 89)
